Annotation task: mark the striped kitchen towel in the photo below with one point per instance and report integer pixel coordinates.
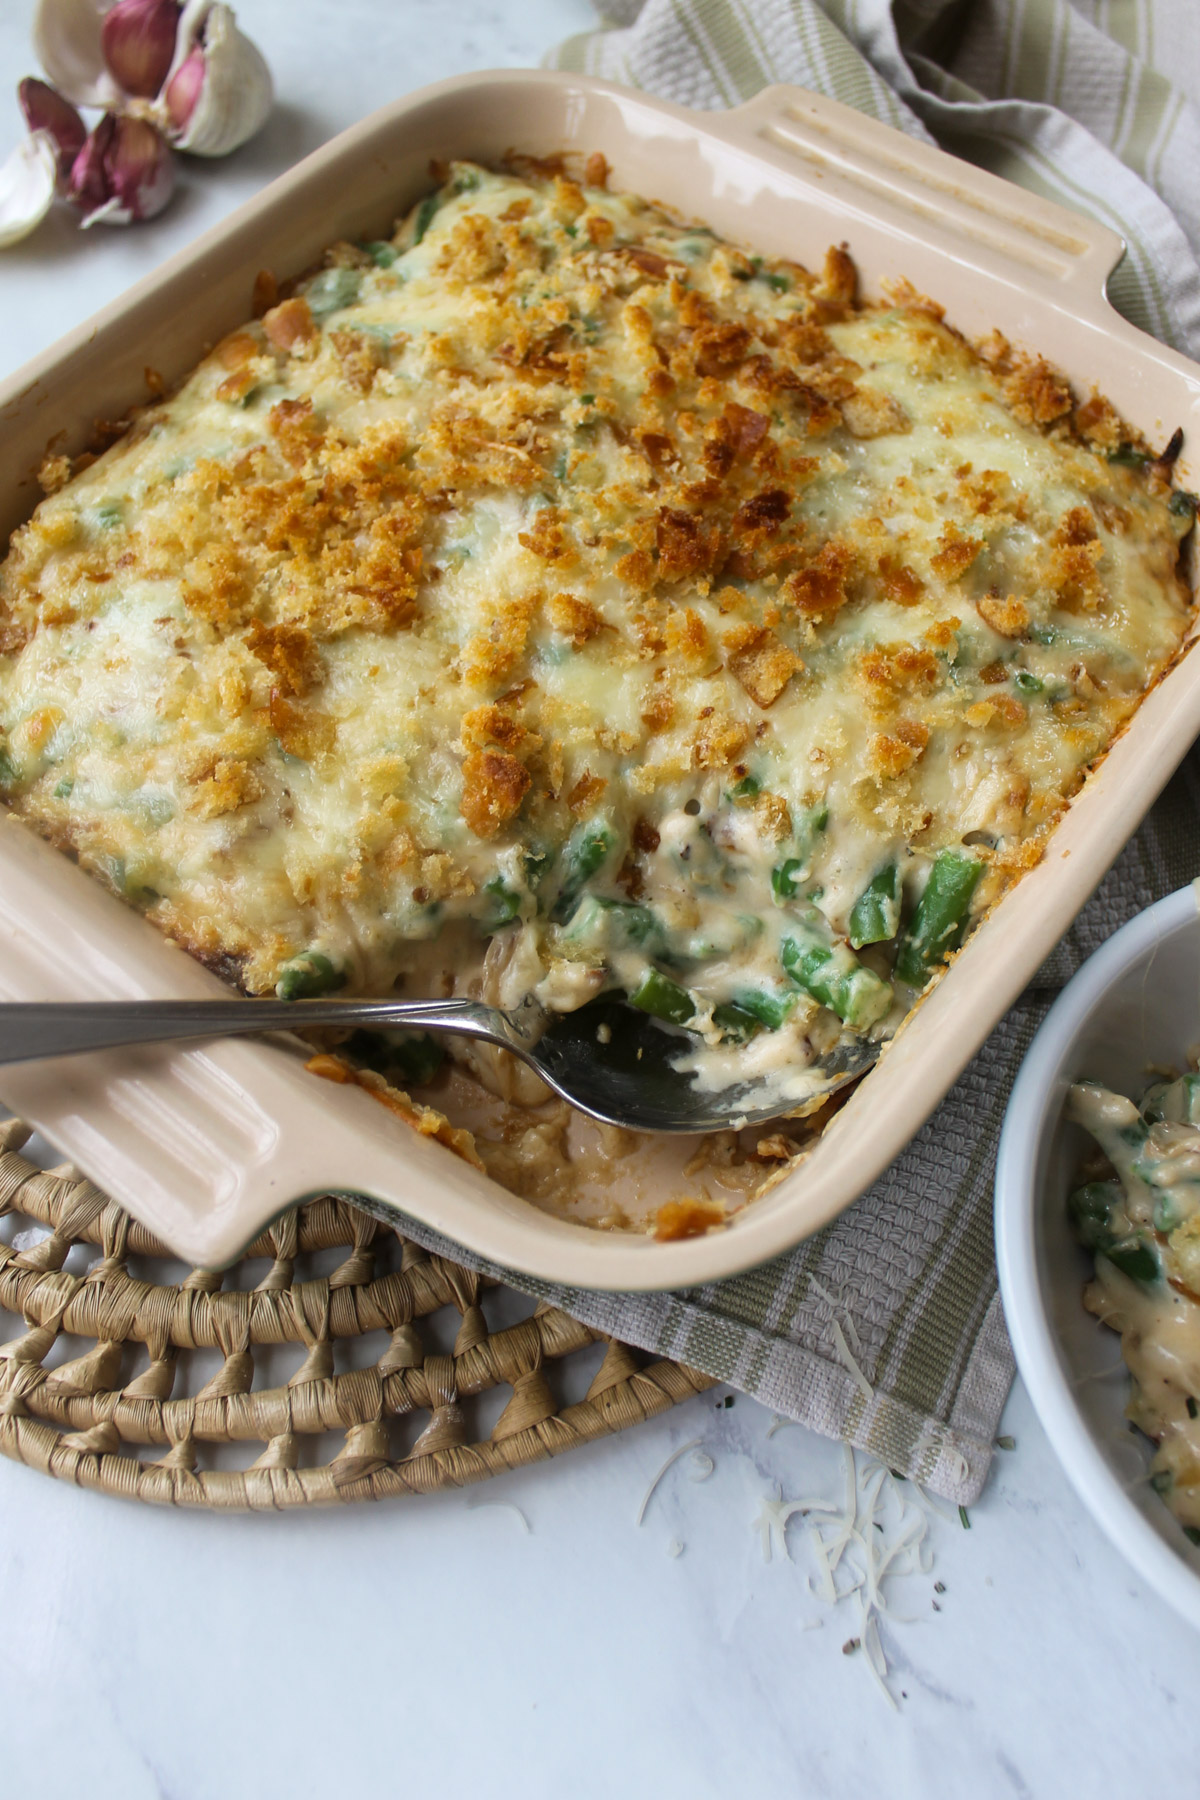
(886, 1328)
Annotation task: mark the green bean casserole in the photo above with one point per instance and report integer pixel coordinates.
(553, 599)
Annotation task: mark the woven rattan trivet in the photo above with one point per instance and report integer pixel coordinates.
(96, 1419)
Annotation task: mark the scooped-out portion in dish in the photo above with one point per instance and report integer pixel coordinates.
(1139, 1212)
(553, 599)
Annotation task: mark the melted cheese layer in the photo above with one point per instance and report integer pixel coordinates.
(554, 577)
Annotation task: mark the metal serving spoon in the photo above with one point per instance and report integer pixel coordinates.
(607, 1059)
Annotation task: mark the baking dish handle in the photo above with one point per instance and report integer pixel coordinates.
(985, 221)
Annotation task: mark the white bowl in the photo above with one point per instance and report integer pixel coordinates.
(1135, 1002)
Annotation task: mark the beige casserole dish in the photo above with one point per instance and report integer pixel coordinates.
(207, 1144)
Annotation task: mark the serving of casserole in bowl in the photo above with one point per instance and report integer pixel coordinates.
(560, 591)
(1082, 1259)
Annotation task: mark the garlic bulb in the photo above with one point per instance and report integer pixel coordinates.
(27, 184)
(124, 172)
(220, 90)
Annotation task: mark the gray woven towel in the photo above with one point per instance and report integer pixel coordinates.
(1092, 104)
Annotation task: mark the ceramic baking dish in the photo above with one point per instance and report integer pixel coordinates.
(205, 1145)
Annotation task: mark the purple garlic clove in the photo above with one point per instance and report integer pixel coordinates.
(138, 41)
(46, 110)
(221, 92)
(183, 90)
(124, 172)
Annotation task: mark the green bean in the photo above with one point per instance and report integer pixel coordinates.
(724, 935)
(940, 921)
(506, 903)
(783, 878)
(1183, 505)
(769, 1009)
(746, 788)
(308, 975)
(424, 216)
(875, 915)
(416, 1054)
(1177, 1102)
(1091, 1209)
(382, 254)
(587, 850)
(832, 974)
(331, 290)
(786, 876)
(1097, 1212)
(1135, 1258)
(1126, 457)
(735, 1021)
(600, 921)
(535, 861)
(663, 998)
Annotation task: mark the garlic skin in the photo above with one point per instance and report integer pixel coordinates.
(137, 39)
(124, 172)
(220, 90)
(66, 39)
(46, 110)
(28, 180)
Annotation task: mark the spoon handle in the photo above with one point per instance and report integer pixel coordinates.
(30, 1030)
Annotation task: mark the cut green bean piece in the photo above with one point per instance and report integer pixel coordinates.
(769, 1009)
(1135, 1258)
(332, 290)
(506, 904)
(1176, 1102)
(1091, 1209)
(1097, 1212)
(735, 1021)
(415, 1055)
(875, 915)
(832, 974)
(587, 850)
(784, 877)
(307, 976)
(601, 922)
(1126, 457)
(663, 998)
(424, 218)
(940, 921)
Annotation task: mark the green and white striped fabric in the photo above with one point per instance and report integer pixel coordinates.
(1088, 102)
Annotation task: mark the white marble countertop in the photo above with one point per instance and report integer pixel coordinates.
(433, 1646)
